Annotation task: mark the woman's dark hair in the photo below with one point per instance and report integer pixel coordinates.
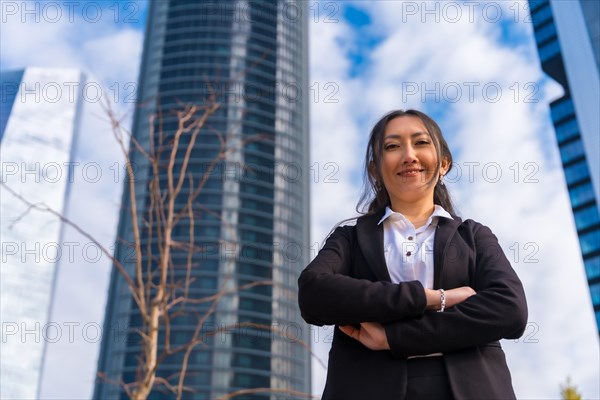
(374, 196)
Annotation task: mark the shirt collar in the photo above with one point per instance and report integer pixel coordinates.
(437, 212)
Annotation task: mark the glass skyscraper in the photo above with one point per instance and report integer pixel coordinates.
(567, 34)
(38, 133)
(252, 212)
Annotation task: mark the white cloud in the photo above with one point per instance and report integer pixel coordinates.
(334, 133)
(114, 57)
(110, 52)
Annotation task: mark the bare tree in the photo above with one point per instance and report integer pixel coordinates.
(156, 287)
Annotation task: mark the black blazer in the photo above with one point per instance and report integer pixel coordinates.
(348, 283)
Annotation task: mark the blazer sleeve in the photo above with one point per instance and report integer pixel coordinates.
(497, 311)
(329, 295)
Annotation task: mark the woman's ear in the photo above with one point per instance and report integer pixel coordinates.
(445, 166)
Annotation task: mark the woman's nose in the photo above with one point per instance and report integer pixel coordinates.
(409, 155)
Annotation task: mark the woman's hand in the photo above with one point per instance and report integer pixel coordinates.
(370, 334)
(453, 297)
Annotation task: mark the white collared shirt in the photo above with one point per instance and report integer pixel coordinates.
(409, 251)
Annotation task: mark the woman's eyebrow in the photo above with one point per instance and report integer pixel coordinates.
(413, 135)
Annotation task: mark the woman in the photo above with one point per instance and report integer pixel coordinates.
(420, 297)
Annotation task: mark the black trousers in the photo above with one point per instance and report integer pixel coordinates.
(427, 379)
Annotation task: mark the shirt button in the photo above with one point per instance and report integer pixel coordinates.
(408, 253)
(410, 238)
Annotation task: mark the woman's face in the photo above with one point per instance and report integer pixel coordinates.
(409, 161)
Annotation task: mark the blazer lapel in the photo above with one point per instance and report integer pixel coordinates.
(370, 241)
(445, 230)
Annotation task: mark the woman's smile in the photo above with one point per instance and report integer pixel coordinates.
(410, 172)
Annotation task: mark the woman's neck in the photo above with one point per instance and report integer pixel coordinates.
(417, 213)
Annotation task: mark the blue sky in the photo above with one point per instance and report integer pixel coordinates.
(473, 68)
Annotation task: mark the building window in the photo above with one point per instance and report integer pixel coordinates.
(197, 378)
(586, 217)
(590, 242)
(205, 283)
(561, 110)
(258, 189)
(257, 271)
(549, 50)
(577, 172)
(261, 290)
(595, 291)
(253, 220)
(581, 194)
(252, 361)
(263, 206)
(249, 381)
(571, 151)
(545, 33)
(592, 267)
(567, 130)
(255, 305)
(131, 359)
(541, 15)
(251, 339)
(256, 252)
(536, 4)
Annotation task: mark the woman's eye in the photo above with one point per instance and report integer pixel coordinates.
(423, 142)
(390, 146)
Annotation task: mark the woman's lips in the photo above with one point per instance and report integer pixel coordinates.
(412, 172)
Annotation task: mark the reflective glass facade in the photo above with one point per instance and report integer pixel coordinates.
(9, 86)
(38, 137)
(252, 214)
(572, 122)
